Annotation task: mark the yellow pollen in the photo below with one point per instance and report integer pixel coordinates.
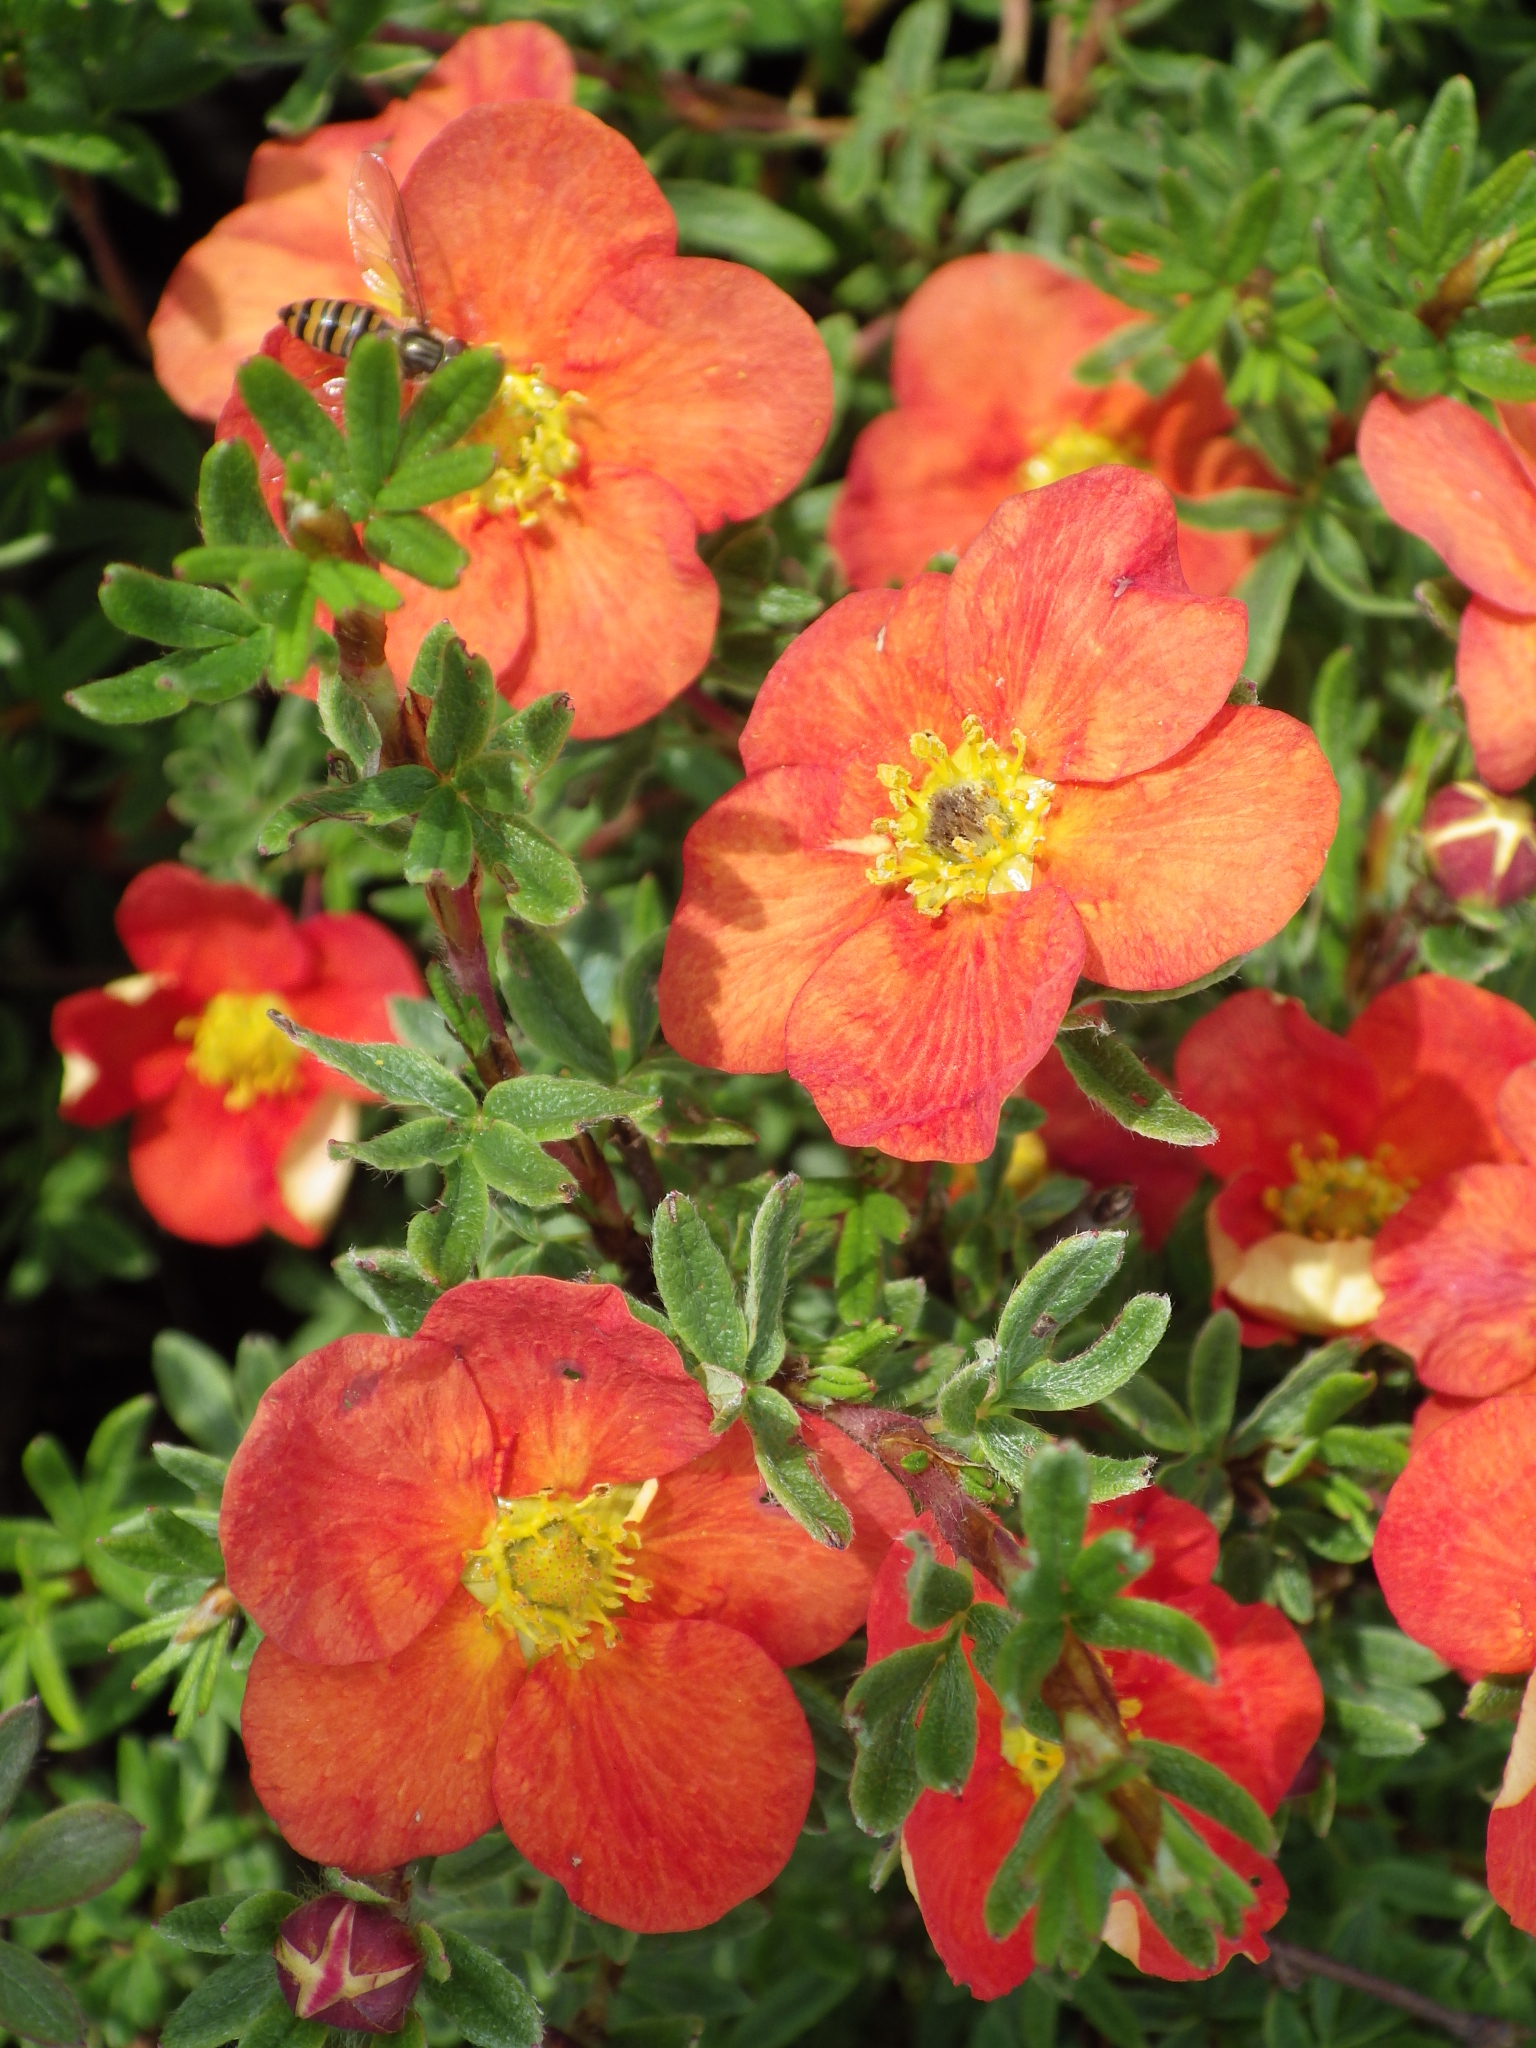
(1068, 452)
(237, 1047)
(1036, 1760)
(1333, 1197)
(970, 829)
(527, 425)
(552, 1568)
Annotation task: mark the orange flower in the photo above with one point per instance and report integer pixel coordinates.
(1457, 1266)
(289, 240)
(986, 405)
(231, 1121)
(1256, 1722)
(647, 396)
(493, 1562)
(960, 795)
(1454, 1557)
(1322, 1138)
(1443, 472)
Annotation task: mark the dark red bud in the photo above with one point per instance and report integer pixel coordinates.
(1481, 847)
(348, 1965)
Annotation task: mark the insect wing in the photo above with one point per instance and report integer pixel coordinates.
(381, 240)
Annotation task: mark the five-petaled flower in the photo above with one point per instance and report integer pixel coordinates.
(1455, 1556)
(647, 397)
(1443, 472)
(1256, 1722)
(231, 1119)
(961, 795)
(987, 405)
(289, 240)
(491, 1560)
(1322, 1138)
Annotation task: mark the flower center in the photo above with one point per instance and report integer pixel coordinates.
(1072, 449)
(1036, 1760)
(552, 1568)
(528, 426)
(969, 829)
(1333, 1197)
(237, 1047)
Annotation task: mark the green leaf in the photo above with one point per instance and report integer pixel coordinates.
(417, 546)
(199, 1924)
(1189, 1778)
(1024, 1662)
(488, 2005)
(1110, 1074)
(696, 1287)
(728, 220)
(349, 725)
(545, 997)
(1055, 1289)
(133, 698)
(1012, 1893)
(1493, 369)
(1281, 1415)
(383, 798)
(223, 2005)
(1244, 234)
(538, 731)
(230, 507)
(936, 1592)
(69, 1855)
(1105, 1366)
(790, 1471)
(518, 1165)
(1127, 1624)
(432, 478)
(21, 1731)
(36, 2003)
(172, 614)
(548, 1106)
(1215, 1359)
(1054, 1506)
(251, 1927)
(395, 1072)
(448, 403)
(289, 417)
(445, 1241)
(637, 992)
(424, 1141)
(442, 842)
(1267, 590)
(773, 1235)
(390, 1283)
(198, 1390)
(347, 586)
(946, 1734)
(1243, 511)
(541, 878)
(462, 703)
(373, 411)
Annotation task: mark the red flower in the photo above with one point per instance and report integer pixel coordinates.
(231, 1120)
(1323, 1138)
(1443, 472)
(289, 240)
(1457, 1266)
(493, 1563)
(1456, 1558)
(1257, 1722)
(347, 1965)
(1081, 1139)
(987, 404)
(961, 795)
(647, 396)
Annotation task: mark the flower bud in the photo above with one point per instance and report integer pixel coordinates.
(348, 1965)
(1481, 847)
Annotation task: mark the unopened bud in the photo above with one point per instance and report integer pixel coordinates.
(1481, 847)
(348, 1965)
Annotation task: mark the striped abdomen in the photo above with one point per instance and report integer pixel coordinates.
(334, 326)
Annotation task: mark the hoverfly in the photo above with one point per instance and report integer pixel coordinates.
(381, 245)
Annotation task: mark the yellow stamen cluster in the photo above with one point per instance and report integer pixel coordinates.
(528, 426)
(1333, 1197)
(237, 1047)
(552, 1568)
(1036, 1760)
(970, 829)
(1068, 452)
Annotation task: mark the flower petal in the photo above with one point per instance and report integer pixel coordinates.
(1184, 1544)
(911, 1034)
(1443, 472)
(119, 1047)
(1083, 1139)
(1457, 1268)
(952, 1849)
(1496, 678)
(763, 905)
(511, 60)
(1455, 1546)
(1517, 1111)
(1165, 889)
(365, 1476)
(1268, 1077)
(921, 481)
(209, 1174)
(623, 609)
(1442, 1049)
(209, 935)
(519, 212)
(646, 1826)
(579, 1391)
(715, 1546)
(1132, 1932)
(1070, 620)
(1512, 1861)
(368, 1765)
(705, 374)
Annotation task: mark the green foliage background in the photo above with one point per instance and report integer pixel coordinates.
(1306, 176)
